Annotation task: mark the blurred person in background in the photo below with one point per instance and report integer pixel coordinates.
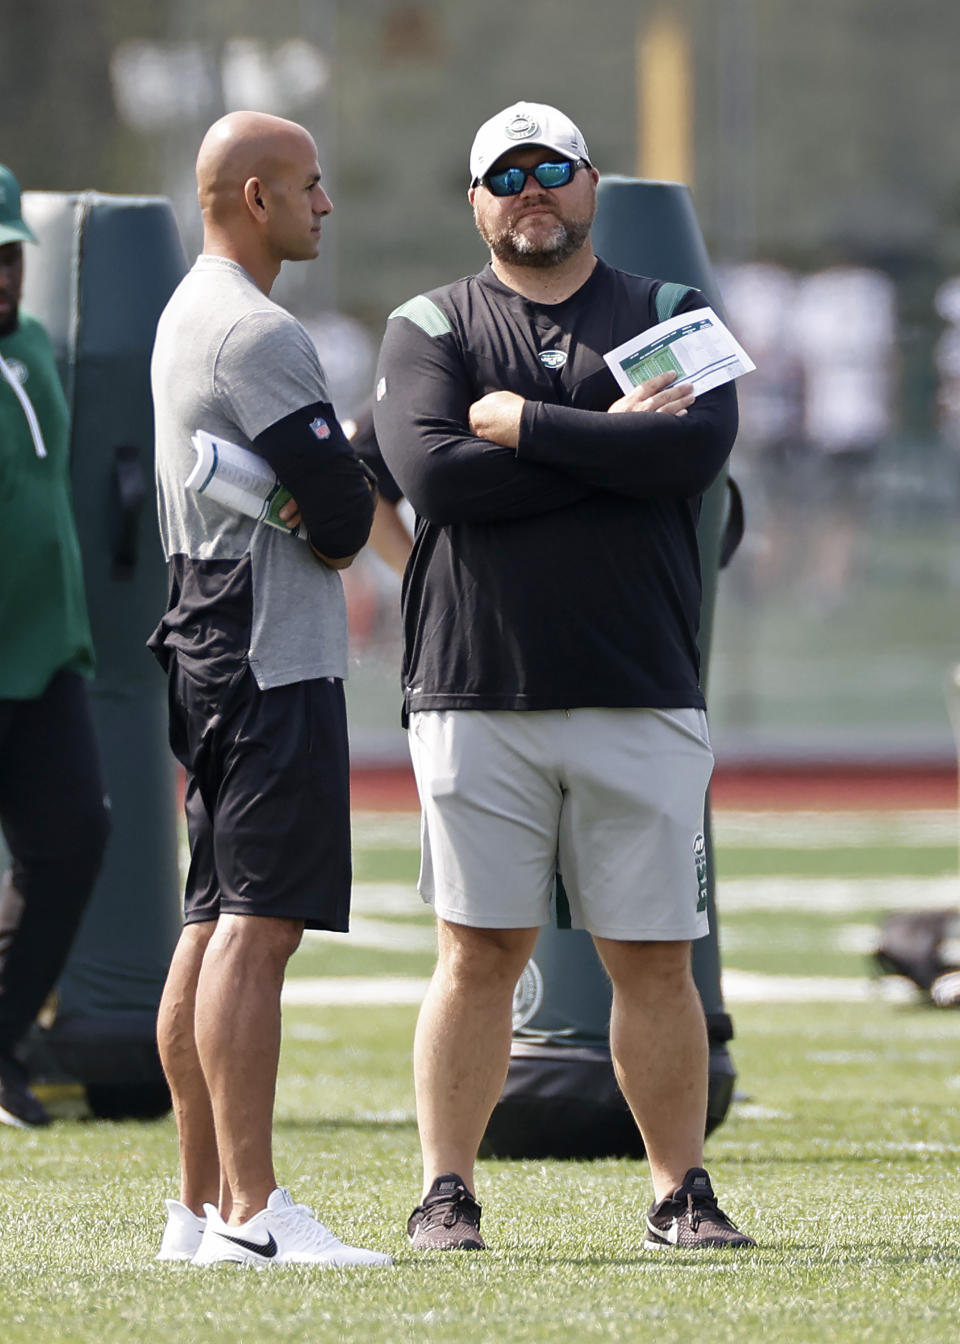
(551, 674)
(370, 586)
(254, 645)
(760, 298)
(389, 535)
(845, 329)
(53, 812)
(947, 360)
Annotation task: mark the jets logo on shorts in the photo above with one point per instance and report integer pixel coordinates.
(320, 428)
(700, 860)
(553, 359)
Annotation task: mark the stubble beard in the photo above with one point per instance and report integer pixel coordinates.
(514, 248)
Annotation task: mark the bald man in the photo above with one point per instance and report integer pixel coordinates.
(254, 644)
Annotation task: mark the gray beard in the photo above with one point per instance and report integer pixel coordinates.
(514, 249)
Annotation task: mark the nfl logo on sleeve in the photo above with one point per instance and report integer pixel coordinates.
(320, 428)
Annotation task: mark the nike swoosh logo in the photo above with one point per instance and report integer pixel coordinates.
(267, 1249)
(672, 1233)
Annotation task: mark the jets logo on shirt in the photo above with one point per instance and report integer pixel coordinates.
(320, 428)
(553, 359)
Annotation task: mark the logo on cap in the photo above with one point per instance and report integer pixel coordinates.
(553, 359)
(521, 127)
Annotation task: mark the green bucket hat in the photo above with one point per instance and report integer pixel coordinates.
(12, 227)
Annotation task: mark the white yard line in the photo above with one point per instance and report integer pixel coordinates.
(380, 910)
(837, 895)
(764, 829)
(824, 830)
(738, 987)
(753, 987)
(354, 989)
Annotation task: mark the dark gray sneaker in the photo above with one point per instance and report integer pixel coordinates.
(691, 1220)
(448, 1219)
(18, 1106)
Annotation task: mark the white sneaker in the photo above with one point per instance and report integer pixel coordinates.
(283, 1233)
(182, 1234)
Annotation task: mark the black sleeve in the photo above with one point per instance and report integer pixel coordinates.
(314, 461)
(448, 474)
(641, 454)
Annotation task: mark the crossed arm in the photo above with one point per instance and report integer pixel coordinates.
(498, 415)
(462, 459)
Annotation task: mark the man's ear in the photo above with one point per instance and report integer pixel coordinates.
(471, 192)
(253, 195)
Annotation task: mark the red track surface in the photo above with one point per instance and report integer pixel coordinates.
(825, 787)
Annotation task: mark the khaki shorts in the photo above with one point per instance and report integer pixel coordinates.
(611, 799)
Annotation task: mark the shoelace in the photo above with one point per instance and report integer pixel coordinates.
(446, 1210)
(698, 1205)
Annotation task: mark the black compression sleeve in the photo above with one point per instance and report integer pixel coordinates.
(314, 461)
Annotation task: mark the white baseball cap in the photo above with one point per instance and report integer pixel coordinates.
(524, 124)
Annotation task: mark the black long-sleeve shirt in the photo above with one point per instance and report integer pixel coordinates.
(566, 572)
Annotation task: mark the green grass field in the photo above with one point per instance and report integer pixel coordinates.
(839, 1156)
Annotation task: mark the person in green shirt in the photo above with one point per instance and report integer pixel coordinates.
(53, 812)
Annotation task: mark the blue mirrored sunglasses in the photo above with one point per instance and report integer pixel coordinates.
(511, 181)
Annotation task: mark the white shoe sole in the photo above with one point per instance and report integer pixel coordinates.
(14, 1121)
(250, 1260)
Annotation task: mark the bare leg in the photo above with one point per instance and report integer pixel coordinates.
(199, 1165)
(658, 1041)
(238, 1043)
(462, 1045)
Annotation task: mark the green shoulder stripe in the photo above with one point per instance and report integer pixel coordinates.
(425, 313)
(669, 297)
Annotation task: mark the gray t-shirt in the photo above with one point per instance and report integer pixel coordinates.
(230, 361)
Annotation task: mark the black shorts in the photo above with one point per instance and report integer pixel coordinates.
(267, 798)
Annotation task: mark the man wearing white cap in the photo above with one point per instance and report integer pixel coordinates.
(551, 674)
(52, 809)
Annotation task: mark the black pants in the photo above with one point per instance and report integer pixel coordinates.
(55, 822)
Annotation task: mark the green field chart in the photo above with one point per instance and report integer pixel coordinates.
(658, 357)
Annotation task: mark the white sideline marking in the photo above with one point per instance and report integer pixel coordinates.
(753, 987)
(824, 830)
(826, 896)
(756, 829)
(738, 987)
(354, 989)
(386, 935)
(836, 895)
